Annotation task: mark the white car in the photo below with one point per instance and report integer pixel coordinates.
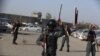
(83, 34)
(7, 24)
(80, 34)
(98, 39)
(76, 33)
(31, 28)
(6, 27)
(98, 36)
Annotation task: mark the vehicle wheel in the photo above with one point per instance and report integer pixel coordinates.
(4, 30)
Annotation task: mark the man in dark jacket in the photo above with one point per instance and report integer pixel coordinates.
(15, 31)
(91, 42)
(48, 39)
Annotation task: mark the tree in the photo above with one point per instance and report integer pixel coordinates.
(48, 16)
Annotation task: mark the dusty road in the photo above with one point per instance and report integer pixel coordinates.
(29, 48)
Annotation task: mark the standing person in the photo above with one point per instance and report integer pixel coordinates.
(91, 42)
(67, 33)
(15, 31)
(48, 39)
(65, 29)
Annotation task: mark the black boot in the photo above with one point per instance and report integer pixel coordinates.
(60, 49)
(68, 48)
(15, 43)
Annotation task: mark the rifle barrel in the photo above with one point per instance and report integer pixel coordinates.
(60, 11)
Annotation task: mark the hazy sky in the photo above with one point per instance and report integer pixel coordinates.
(89, 10)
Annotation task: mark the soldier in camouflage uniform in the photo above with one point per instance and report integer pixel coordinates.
(66, 32)
(48, 39)
(65, 39)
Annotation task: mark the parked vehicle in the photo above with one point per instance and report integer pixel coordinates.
(4, 25)
(31, 28)
(83, 34)
(7, 24)
(76, 33)
(80, 34)
(98, 36)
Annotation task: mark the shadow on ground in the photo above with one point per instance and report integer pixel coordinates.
(21, 33)
(24, 33)
(78, 51)
(26, 44)
(7, 55)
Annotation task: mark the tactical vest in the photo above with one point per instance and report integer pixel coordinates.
(51, 40)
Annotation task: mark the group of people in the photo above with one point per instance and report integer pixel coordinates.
(55, 29)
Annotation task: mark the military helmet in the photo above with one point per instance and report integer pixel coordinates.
(51, 24)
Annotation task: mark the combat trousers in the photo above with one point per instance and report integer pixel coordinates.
(15, 37)
(49, 52)
(90, 49)
(65, 39)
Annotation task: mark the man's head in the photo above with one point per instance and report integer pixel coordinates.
(51, 24)
(64, 26)
(59, 22)
(92, 26)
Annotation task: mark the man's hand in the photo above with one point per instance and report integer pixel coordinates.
(42, 44)
(12, 32)
(94, 43)
(97, 46)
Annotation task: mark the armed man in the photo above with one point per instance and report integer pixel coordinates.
(48, 39)
(65, 39)
(66, 33)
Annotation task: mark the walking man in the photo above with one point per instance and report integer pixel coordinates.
(67, 33)
(91, 42)
(15, 31)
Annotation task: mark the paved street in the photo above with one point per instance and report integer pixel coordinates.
(29, 47)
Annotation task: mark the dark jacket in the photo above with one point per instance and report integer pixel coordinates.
(51, 38)
(16, 27)
(91, 36)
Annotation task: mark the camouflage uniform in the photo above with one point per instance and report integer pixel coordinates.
(65, 38)
(51, 41)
